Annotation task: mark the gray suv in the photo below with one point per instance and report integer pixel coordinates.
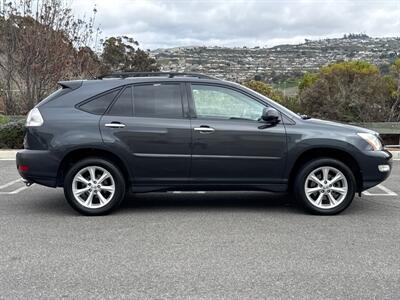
(145, 132)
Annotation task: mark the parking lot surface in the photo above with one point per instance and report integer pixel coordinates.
(197, 246)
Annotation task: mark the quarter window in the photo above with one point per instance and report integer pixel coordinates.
(157, 100)
(123, 105)
(223, 103)
(99, 104)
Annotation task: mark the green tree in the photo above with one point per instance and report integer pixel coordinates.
(307, 80)
(395, 90)
(265, 89)
(351, 91)
(274, 94)
(122, 53)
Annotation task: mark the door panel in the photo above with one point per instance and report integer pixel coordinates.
(159, 148)
(234, 150)
(237, 151)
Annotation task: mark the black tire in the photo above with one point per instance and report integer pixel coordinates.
(115, 200)
(307, 168)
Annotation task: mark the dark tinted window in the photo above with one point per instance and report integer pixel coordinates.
(123, 105)
(99, 104)
(157, 100)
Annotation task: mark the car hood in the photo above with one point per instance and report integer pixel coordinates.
(340, 126)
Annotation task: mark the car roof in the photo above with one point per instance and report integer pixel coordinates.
(114, 80)
(109, 83)
(155, 74)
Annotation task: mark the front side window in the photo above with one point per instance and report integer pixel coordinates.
(223, 103)
(157, 101)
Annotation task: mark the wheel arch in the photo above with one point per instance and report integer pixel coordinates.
(78, 154)
(324, 152)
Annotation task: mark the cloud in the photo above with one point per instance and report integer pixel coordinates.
(171, 23)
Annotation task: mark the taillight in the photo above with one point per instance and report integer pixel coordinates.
(23, 168)
(34, 118)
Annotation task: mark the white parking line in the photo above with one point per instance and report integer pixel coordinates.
(387, 191)
(15, 191)
(18, 190)
(10, 183)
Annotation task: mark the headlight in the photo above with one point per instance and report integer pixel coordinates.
(34, 118)
(371, 139)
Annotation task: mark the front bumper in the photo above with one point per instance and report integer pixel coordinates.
(38, 166)
(371, 168)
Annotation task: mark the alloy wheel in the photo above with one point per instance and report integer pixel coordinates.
(93, 187)
(326, 187)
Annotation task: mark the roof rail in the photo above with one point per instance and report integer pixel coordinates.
(124, 75)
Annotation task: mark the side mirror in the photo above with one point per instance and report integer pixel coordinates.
(270, 115)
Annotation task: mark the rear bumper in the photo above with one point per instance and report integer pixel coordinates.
(369, 165)
(41, 166)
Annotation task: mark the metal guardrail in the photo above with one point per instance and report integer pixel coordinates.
(382, 127)
(389, 131)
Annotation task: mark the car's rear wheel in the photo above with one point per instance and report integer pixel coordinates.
(325, 186)
(94, 186)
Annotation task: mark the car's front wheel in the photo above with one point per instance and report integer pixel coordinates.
(94, 186)
(325, 186)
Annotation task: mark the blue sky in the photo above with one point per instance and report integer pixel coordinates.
(172, 23)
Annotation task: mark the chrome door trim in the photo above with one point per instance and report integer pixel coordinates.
(161, 155)
(234, 157)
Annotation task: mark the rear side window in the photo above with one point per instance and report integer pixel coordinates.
(123, 105)
(157, 101)
(99, 104)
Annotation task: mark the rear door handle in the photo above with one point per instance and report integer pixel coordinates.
(204, 129)
(115, 125)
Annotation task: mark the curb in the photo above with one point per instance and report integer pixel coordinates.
(396, 155)
(10, 154)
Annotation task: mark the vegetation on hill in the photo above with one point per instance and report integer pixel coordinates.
(277, 65)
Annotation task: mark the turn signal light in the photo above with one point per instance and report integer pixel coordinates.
(384, 168)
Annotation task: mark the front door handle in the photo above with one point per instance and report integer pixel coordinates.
(115, 125)
(203, 129)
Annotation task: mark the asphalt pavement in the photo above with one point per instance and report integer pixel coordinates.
(197, 246)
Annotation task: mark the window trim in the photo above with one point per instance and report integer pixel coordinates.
(192, 106)
(182, 97)
(78, 105)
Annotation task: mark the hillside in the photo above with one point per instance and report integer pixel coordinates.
(278, 63)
